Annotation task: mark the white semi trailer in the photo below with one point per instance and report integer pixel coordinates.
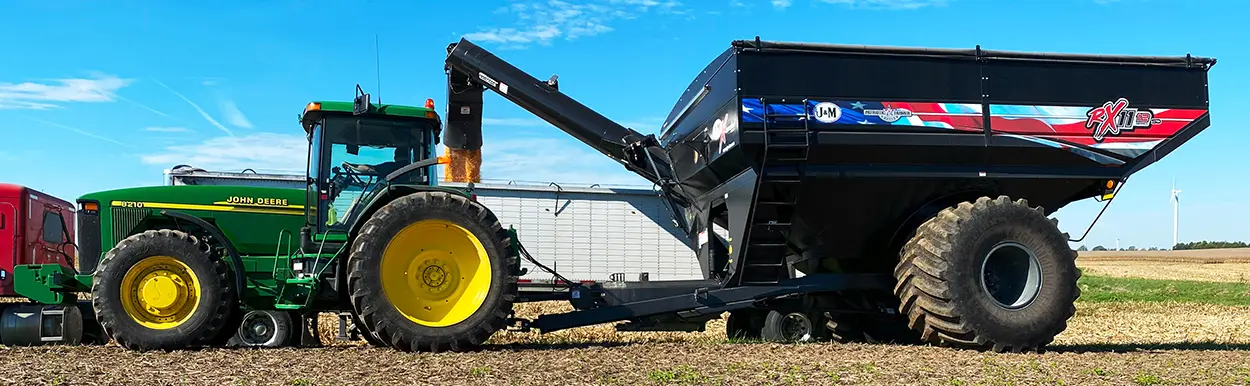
(622, 233)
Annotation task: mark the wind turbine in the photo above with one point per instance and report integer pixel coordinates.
(1176, 202)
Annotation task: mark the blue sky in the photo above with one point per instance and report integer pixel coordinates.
(98, 96)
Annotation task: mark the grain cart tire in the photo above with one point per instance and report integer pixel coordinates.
(264, 328)
(161, 290)
(793, 327)
(433, 271)
(991, 274)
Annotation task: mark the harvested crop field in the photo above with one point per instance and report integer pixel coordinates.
(1128, 331)
(1219, 265)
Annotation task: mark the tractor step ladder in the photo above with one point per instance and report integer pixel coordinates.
(764, 258)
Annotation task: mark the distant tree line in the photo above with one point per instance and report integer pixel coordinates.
(1210, 245)
(1177, 247)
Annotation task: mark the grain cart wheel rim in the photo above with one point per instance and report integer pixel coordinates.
(1011, 275)
(939, 277)
(160, 292)
(381, 309)
(788, 327)
(436, 273)
(796, 327)
(126, 285)
(265, 329)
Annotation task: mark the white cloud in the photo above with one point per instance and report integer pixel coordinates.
(43, 96)
(233, 115)
(889, 4)
(781, 3)
(197, 108)
(543, 22)
(160, 129)
(79, 131)
(263, 152)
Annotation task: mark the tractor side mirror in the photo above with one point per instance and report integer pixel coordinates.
(361, 104)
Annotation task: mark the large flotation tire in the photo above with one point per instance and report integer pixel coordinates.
(991, 274)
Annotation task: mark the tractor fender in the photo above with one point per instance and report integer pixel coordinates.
(391, 193)
(236, 262)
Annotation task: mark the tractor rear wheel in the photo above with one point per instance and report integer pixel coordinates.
(161, 290)
(432, 271)
(991, 274)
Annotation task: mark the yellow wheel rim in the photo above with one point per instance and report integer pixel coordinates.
(160, 292)
(436, 273)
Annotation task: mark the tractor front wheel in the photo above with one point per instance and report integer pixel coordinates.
(161, 290)
(432, 271)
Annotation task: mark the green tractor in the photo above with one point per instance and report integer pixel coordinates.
(417, 267)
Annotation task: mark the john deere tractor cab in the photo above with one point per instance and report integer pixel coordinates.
(357, 150)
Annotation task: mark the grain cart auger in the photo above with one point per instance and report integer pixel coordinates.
(869, 193)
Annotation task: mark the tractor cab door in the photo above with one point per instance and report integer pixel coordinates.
(350, 156)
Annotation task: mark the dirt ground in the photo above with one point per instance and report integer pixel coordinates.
(1105, 344)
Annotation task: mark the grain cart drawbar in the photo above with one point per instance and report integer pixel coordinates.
(864, 193)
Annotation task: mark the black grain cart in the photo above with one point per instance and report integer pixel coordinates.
(868, 193)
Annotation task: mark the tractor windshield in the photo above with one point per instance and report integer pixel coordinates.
(357, 153)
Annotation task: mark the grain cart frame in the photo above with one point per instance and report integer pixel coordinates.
(901, 182)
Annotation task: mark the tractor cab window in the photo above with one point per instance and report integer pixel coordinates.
(362, 152)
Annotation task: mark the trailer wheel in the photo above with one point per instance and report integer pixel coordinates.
(264, 328)
(793, 326)
(161, 290)
(994, 274)
(432, 271)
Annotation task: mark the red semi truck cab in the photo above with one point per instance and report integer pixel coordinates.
(35, 228)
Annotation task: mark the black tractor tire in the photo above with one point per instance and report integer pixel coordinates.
(214, 305)
(381, 316)
(1031, 287)
(365, 333)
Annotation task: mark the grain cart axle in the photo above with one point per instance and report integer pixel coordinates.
(869, 193)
